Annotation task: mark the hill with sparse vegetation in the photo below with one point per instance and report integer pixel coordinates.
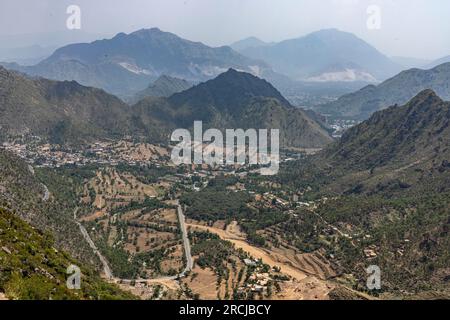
(381, 197)
(32, 268)
(361, 104)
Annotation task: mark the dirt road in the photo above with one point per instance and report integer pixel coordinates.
(257, 253)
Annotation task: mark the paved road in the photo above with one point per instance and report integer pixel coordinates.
(186, 244)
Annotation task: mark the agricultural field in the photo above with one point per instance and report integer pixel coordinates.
(133, 223)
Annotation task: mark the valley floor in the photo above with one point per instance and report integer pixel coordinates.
(302, 286)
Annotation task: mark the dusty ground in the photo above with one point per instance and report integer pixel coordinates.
(140, 151)
(113, 189)
(204, 283)
(302, 285)
(145, 290)
(136, 229)
(234, 229)
(314, 263)
(255, 252)
(307, 289)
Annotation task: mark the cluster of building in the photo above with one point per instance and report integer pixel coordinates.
(53, 156)
(259, 280)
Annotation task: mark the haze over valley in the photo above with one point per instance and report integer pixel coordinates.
(136, 143)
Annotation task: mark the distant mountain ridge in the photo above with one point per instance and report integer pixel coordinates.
(438, 62)
(409, 63)
(128, 62)
(164, 86)
(397, 90)
(324, 51)
(250, 42)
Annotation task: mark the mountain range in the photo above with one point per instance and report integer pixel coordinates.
(379, 195)
(409, 143)
(26, 55)
(396, 90)
(385, 186)
(414, 133)
(409, 63)
(128, 62)
(67, 112)
(326, 55)
(235, 100)
(125, 64)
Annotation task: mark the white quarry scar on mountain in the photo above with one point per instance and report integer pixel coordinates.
(347, 75)
(134, 69)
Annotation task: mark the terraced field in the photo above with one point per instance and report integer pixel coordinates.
(136, 231)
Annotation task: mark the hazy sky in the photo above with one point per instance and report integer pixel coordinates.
(414, 28)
